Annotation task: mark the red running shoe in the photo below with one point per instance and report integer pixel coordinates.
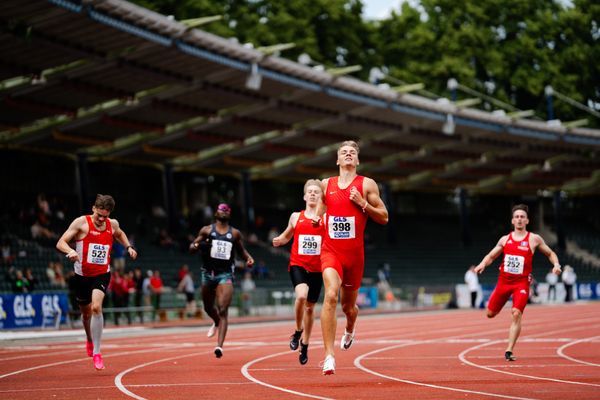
(98, 363)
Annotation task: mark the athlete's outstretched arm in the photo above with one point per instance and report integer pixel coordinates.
(122, 238)
(288, 234)
(491, 256)
(547, 251)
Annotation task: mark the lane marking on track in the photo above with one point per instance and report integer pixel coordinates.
(462, 357)
(560, 351)
(357, 363)
(125, 353)
(247, 374)
(119, 378)
(148, 385)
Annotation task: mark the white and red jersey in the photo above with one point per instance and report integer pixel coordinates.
(94, 250)
(345, 221)
(306, 249)
(517, 262)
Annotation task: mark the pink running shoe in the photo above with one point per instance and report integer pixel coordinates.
(89, 347)
(98, 363)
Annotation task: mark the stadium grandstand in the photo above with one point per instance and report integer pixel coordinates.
(109, 97)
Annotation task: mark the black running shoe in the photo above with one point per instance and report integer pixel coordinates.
(218, 352)
(295, 340)
(509, 356)
(303, 357)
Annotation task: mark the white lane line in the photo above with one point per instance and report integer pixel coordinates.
(125, 353)
(462, 357)
(148, 385)
(560, 351)
(357, 363)
(262, 383)
(119, 377)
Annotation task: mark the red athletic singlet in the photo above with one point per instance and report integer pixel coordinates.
(345, 222)
(94, 250)
(306, 250)
(517, 262)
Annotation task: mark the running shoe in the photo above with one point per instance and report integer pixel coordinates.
(212, 330)
(347, 340)
(509, 356)
(329, 365)
(295, 339)
(89, 347)
(218, 352)
(98, 363)
(303, 357)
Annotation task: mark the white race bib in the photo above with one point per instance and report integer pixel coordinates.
(341, 227)
(309, 245)
(98, 253)
(221, 249)
(514, 264)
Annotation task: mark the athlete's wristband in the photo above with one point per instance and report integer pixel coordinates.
(365, 206)
(130, 247)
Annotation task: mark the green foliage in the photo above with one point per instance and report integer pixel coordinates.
(518, 45)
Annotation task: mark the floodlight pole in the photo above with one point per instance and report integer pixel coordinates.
(549, 103)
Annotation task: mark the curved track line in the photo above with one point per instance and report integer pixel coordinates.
(357, 363)
(560, 352)
(245, 372)
(125, 353)
(119, 377)
(463, 358)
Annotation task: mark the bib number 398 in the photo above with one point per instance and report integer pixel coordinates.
(341, 227)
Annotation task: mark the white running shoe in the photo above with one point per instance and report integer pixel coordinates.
(347, 340)
(211, 332)
(329, 365)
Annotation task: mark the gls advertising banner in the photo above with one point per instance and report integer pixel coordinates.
(32, 310)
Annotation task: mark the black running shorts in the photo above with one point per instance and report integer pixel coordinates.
(84, 285)
(314, 280)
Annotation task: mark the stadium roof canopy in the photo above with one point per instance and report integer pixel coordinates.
(115, 81)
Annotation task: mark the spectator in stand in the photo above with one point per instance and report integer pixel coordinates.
(551, 280)
(165, 240)
(19, 283)
(186, 286)
(183, 271)
(261, 270)
(118, 256)
(7, 256)
(247, 286)
(55, 274)
(569, 277)
(273, 233)
(472, 281)
(138, 285)
(120, 292)
(39, 231)
(146, 288)
(31, 279)
(156, 286)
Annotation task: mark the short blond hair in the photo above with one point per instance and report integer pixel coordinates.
(350, 143)
(312, 182)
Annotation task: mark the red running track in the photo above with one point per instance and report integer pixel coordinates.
(435, 355)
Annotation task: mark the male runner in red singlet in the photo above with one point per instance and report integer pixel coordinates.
(348, 201)
(93, 235)
(305, 265)
(515, 271)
